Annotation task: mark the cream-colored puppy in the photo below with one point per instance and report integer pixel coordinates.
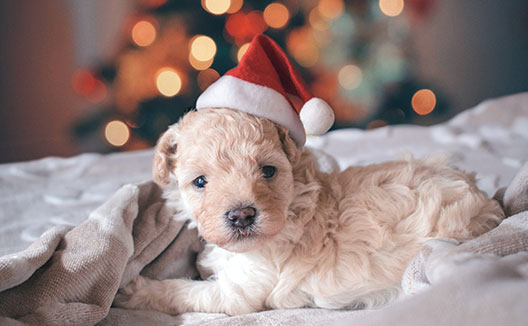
(282, 234)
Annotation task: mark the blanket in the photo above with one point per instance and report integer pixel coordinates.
(70, 275)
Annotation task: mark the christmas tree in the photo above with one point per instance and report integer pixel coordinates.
(357, 55)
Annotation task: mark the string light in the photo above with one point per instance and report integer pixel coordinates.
(391, 8)
(331, 9)
(168, 82)
(276, 15)
(216, 7)
(117, 133)
(349, 76)
(203, 48)
(242, 50)
(423, 101)
(143, 33)
(206, 78)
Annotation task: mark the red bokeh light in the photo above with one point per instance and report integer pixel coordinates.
(244, 26)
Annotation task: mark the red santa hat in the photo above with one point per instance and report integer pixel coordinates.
(262, 84)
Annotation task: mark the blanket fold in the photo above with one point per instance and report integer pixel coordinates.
(71, 274)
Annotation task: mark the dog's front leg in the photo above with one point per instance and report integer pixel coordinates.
(179, 295)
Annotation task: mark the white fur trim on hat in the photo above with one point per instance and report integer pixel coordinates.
(317, 116)
(235, 93)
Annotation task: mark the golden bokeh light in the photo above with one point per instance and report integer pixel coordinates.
(391, 7)
(117, 133)
(316, 21)
(242, 50)
(276, 15)
(307, 55)
(206, 78)
(199, 65)
(168, 82)
(302, 46)
(216, 7)
(235, 6)
(203, 48)
(331, 9)
(349, 76)
(423, 102)
(143, 33)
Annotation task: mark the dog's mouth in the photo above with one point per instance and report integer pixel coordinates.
(242, 239)
(244, 233)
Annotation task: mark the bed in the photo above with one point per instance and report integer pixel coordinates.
(73, 230)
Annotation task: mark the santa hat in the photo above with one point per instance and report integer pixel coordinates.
(262, 85)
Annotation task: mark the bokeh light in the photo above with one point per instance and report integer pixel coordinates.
(216, 7)
(316, 21)
(199, 65)
(168, 82)
(235, 6)
(117, 133)
(349, 76)
(276, 15)
(83, 82)
(242, 50)
(331, 9)
(203, 48)
(99, 93)
(143, 33)
(243, 26)
(391, 7)
(302, 46)
(423, 102)
(255, 22)
(206, 78)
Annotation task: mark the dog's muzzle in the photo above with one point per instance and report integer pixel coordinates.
(242, 217)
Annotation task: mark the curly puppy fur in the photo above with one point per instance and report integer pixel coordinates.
(338, 240)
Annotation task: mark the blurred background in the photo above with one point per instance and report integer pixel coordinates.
(105, 76)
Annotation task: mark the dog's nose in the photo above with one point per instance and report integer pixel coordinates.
(242, 217)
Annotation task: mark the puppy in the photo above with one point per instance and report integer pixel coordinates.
(282, 234)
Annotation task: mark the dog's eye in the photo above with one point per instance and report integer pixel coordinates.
(199, 182)
(268, 171)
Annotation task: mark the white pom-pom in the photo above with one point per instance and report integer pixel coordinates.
(317, 116)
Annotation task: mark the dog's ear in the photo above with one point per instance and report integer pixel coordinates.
(164, 156)
(288, 145)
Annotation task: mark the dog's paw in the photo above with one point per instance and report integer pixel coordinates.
(145, 294)
(133, 295)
